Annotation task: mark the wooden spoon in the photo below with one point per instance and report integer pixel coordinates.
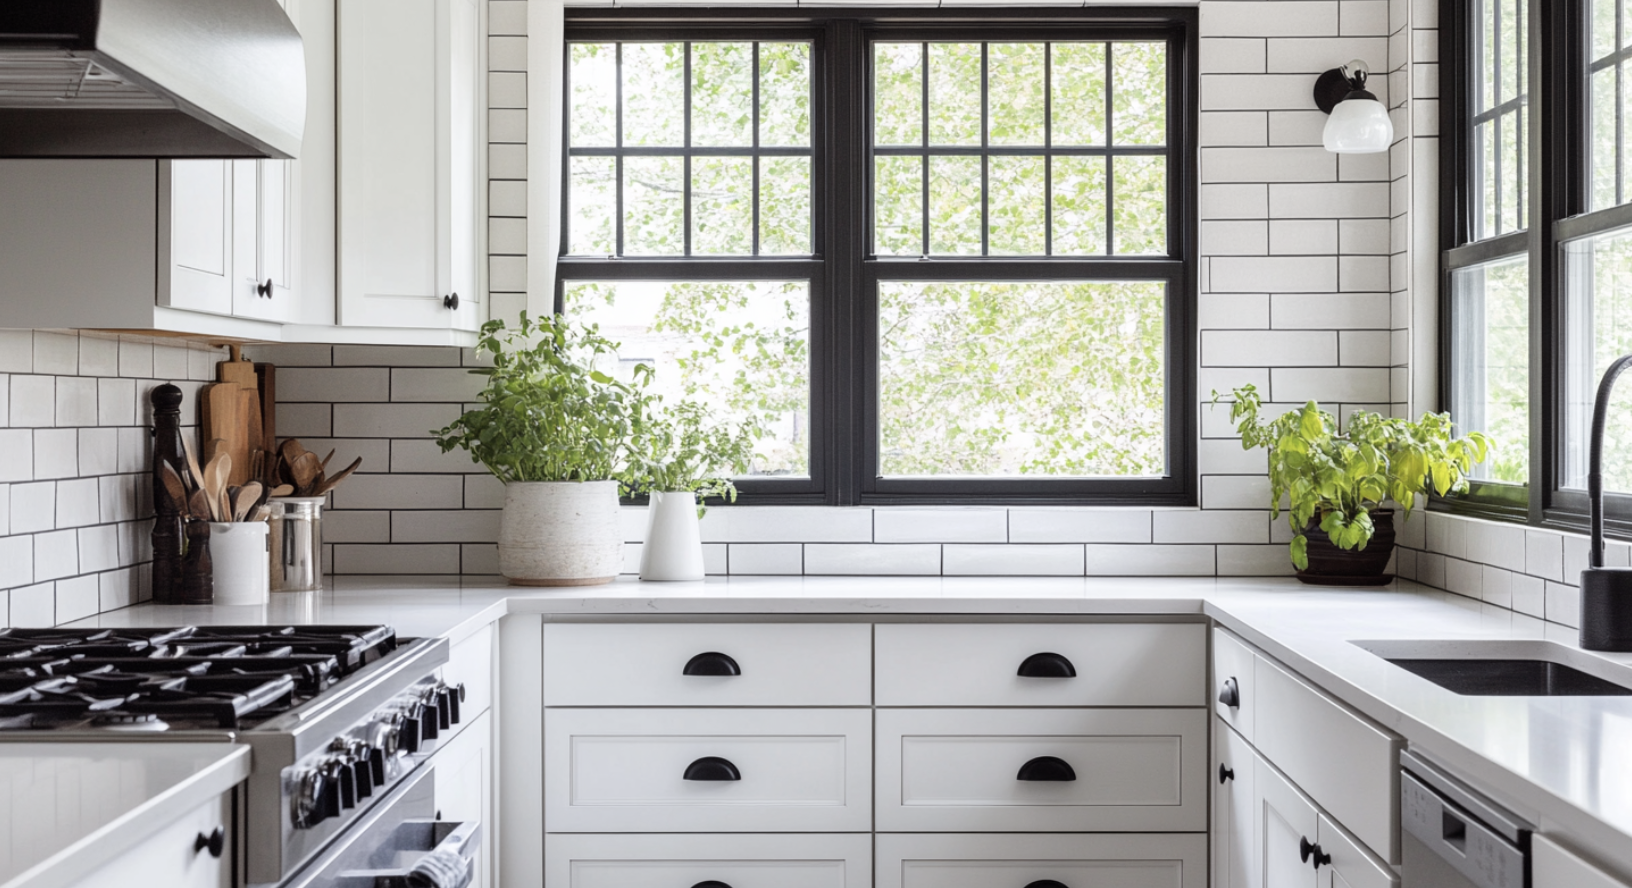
(328, 484)
(192, 462)
(308, 472)
(326, 460)
(198, 506)
(291, 450)
(215, 482)
(249, 496)
(173, 485)
(281, 490)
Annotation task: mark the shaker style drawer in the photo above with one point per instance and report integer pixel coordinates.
(1232, 690)
(1030, 664)
(1091, 861)
(707, 770)
(683, 861)
(1343, 761)
(1015, 770)
(172, 857)
(470, 663)
(707, 664)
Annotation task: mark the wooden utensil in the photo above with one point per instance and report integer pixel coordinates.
(328, 484)
(215, 482)
(249, 496)
(198, 506)
(326, 460)
(281, 490)
(218, 411)
(192, 461)
(174, 487)
(307, 472)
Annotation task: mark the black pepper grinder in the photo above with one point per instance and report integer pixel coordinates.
(168, 515)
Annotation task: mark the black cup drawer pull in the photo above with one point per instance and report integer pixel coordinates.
(1047, 768)
(215, 843)
(712, 767)
(711, 883)
(1046, 883)
(711, 663)
(1047, 665)
(1231, 694)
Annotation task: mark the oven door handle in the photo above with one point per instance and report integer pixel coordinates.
(449, 864)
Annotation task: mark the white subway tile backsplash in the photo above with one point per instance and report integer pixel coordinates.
(1464, 577)
(400, 492)
(1255, 561)
(1499, 544)
(98, 548)
(1544, 554)
(16, 560)
(1328, 200)
(1253, 92)
(78, 502)
(415, 558)
(1364, 18)
(170, 362)
(333, 385)
(454, 526)
(116, 497)
(305, 420)
(1303, 237)
(116, 402)
(98, 356)
(1043, 525)
(1233, 311)
(1149, 561)
(56, 554)
(424, 455)
(33, 401)
(33, 507)
(1235, 237)
(16, 455)
(1056, 560)
(1314, 55)
(56, 453)
(1210, 526)
(1364, 348)
(423, 384)
(1234, 201)
(357, 526)
(1497, 587)
(1226, 456)
(34, 606)
(56, 353)
(867, 559)
(392, 356)
(135, 358)
(390, 420)
(483, 492)
(1283, 274)
(766, 559)
(1563, 604)
(1261, 348)
(953, 525)
(1291, 18)
(1529, 594)
(1234, 492)
(1299, 126)
(98, 451)
(787, 524)
(1277, 164)
(1232, 55)
(1329, 384)
(16, 351)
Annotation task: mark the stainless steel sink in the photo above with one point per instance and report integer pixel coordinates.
(1501, 668)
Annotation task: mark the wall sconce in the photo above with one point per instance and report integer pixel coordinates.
(1357, 122)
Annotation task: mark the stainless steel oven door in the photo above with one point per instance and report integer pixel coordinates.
(397, 844)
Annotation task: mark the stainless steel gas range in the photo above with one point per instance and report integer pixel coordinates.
(342, 720)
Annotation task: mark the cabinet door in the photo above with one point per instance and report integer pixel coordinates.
(409, 80)
(268, 285)
(1351, 864)
(1553, 866)
(464, 779)
(1235, 862)
(171, 856)
(1285, 823)
(196, 246)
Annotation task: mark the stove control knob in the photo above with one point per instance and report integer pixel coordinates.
(343, 779)
(429, 717)
(408, 736)
(309, 803)
(444, 707)
(455, 697)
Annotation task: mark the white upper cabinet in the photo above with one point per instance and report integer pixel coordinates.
(411, 90)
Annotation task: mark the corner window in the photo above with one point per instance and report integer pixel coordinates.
(949, 261)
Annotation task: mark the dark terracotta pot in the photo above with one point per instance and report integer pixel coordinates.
(1333, 566)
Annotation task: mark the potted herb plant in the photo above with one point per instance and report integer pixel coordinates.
(1337, 482)
(687, 458)
(560, 433)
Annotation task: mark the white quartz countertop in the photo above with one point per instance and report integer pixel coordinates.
(1563, 763)
(72, 807)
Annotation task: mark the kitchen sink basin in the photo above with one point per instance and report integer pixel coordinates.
(1501, 668)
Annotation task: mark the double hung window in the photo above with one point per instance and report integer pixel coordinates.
(945, 260)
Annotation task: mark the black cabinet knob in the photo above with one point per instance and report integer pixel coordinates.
(1225, 773)
(1046, 883)
(1047, 768)
(264, 290)
(1047, 665)
(451, 302)
(1231, 694)
(1321, 858)
(711, 663)
(1308, 851)
(712, 767)
(215, 843)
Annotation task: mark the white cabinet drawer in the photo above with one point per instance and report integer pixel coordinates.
(1554, 866)
(171, 857)
(704, 770)
(470, 663)
(960, 770)
(681, 861)
(1351, 866)
(979, 664)
(1092, 861)
(1233, 682)
(1348, 765)
(646, 664)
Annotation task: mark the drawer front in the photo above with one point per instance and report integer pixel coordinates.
(470, 663)
(1340, 759)
(1233, 682)
(974, 664)
(1554, 866)
(680, 861)
(621, 770)
(1352, 865)
(960, 770)
(1092, 861)
(645, 664)
(170, 858)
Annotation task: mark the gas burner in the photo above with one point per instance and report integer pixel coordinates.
(118, 720)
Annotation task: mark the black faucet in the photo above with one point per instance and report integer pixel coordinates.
(1606, 592)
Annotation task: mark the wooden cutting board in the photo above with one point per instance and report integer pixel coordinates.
(243, 432)
(221, 426)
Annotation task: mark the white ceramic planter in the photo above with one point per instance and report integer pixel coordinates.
(560, 533)
(673, 551)
(240, 561)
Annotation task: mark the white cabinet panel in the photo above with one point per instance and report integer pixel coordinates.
(171, 857)
(470, 663)
(1554, 866)
(645, 664)
(1287, 825)
(1351, 865)
(197, 246)
(1235, 858)
(960, 770)
(679, 861)
(464, 781)
(975, 664)
(622, 770)
(1078, 861)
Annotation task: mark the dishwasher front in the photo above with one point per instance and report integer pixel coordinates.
(1454, 837)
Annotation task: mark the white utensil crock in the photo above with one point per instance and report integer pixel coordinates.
(673, 551)
(560, 533)
(238, 552)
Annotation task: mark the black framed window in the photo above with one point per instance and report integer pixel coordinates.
(951, 256)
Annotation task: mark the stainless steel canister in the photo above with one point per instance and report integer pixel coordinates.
(297, 544)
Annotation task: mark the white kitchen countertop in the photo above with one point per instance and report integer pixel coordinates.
(1564, 763)
(72, 807)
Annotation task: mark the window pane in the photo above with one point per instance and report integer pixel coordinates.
(722, 94)
(1484, 139)
(1500, 147)
(784, 206)
(594, 93)
(1603, 28)
(1015, 93)
(898, 94)
(1491, 361)
(1599, 273)
(1017, 206)
(954, 206)
(594, 206)
(654, 104)
(722, 206)
(654, 206)
(1603, 149)
(1512, 176)
(1010, 379)
(1139, 93)
(784, 94)
(898, 206)
(740, 347)
(1141, 204)
(1078, 86)
(1079, 206)
(954, 93)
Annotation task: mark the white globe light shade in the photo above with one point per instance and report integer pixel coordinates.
(1358, 126)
